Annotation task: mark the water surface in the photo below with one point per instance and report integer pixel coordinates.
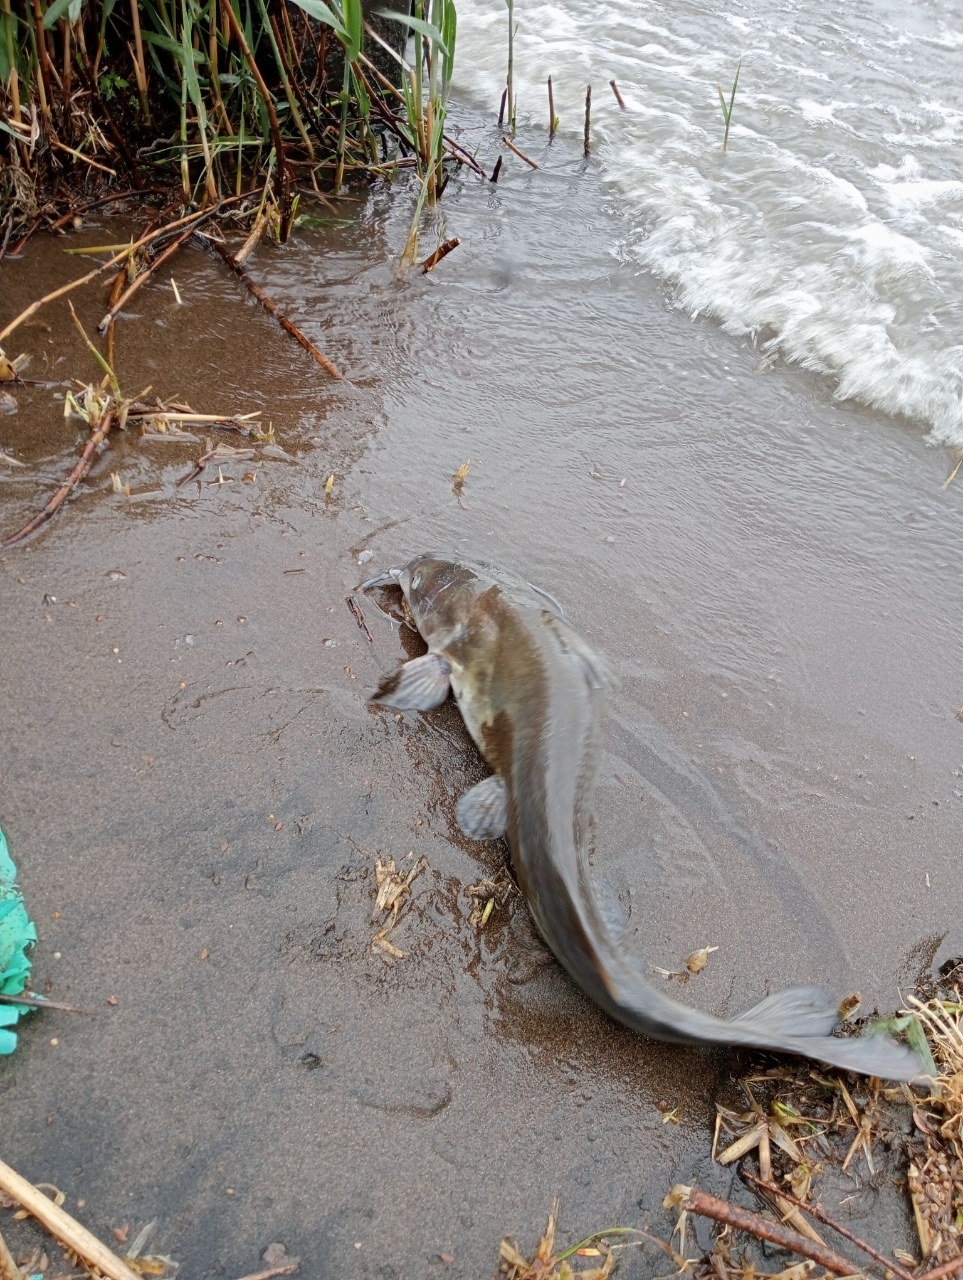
(831, 231)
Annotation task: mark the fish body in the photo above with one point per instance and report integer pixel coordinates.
(532, 693)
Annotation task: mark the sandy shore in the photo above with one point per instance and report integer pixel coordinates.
(190, 769)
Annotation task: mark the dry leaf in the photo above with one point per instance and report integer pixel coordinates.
(699, 959)
(393, 888)
(382, 942)
(742, 1145)
(462, 471)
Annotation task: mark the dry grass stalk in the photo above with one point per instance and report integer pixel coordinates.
(60, 1224)
(549, 1265)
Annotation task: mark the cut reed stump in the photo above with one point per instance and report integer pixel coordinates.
(442, 251)
(588, 117)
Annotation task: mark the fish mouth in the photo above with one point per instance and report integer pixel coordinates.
(389, 578)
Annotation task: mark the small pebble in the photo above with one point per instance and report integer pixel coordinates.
(363, 559)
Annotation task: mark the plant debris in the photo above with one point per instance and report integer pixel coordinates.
(392, 890)
(801, 1127)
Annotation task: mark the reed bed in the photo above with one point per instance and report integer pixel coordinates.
(205, 100)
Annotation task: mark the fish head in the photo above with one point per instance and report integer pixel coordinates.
(442, 596)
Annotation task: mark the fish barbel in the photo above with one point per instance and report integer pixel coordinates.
(532, 693)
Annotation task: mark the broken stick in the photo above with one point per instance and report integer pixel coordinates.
(707, 1206)
(83, 465)
(821, 1216)
(60, 1224)
(269, 305)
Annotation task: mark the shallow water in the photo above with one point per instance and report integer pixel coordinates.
(832, 228)
(783, 779)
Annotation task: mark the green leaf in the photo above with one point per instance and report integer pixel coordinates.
(318, 10)
(56, 12)
(354, 24)
(416, 24)
(175, 47)
(916, 1038)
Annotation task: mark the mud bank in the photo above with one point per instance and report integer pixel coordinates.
(196, 792)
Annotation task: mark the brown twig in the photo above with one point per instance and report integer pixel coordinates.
(79, 155)
(821, 1216)
(144, 276)
(618, 96)
(6, 235)
(442, 251)
(707, 1206)
(282, 1269)
(18, 247)
(588, 117)
(83, 465)
(272, 307)
(60, 1224)
(521, 155)
(96, 204)
(355, 609)
(947, 1269)
(551, 111)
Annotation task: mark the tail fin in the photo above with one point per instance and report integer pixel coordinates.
(800, 1021)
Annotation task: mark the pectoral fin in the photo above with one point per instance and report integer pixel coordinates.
(483, 812)
(418, 685)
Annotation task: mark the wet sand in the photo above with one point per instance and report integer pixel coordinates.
(189, 765)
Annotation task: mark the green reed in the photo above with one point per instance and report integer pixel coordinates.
(211, 93)
(727, 110)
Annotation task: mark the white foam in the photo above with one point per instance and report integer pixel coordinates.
(822, 231)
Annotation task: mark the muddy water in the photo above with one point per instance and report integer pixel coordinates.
(189, 767)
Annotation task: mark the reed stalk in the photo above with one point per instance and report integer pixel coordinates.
(727, 110)
(511, 67)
